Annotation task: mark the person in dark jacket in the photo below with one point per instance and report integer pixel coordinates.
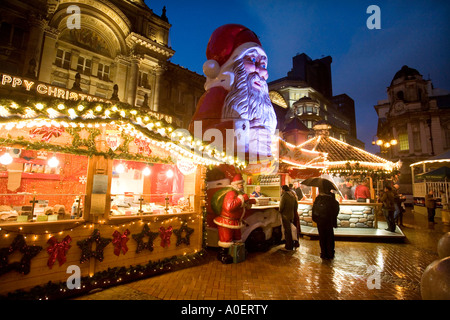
(388, 207)
(324, 212)
(430, 203)
(288, 205)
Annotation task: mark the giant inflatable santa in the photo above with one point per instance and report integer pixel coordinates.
(236, 109)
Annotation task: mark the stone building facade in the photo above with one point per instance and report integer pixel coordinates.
(105, 48)
(417, 115)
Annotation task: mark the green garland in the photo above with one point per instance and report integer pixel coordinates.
(108, 278)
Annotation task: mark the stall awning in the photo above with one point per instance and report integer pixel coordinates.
(440, 174)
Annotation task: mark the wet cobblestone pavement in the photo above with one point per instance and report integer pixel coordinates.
(302, 274)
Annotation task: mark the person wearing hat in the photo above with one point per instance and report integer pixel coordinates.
(236, 96)
(229, 222)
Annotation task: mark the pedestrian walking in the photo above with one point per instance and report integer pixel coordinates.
(398, 200)
(388, 207)
(324, 212)
(288, 205)
(430, 203)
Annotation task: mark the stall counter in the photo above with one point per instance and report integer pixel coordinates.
(352, 214)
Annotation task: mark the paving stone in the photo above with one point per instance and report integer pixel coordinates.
(302, 274)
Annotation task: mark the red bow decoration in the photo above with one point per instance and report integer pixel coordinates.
(58, 250)
(47, 132)
(120, 242)
(165, 236)
(143, 146)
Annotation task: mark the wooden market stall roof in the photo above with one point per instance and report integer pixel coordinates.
(341, 155)
(56, 116)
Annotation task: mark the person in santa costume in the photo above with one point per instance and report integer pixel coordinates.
(232, 202)
(236, 98)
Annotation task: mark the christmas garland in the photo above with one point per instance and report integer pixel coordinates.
(108, 278)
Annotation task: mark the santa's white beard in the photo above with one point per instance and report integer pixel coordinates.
(246, 102)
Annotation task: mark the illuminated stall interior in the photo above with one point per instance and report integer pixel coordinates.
(41, 185)
(432, 174)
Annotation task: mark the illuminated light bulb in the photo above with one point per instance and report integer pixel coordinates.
(53, 162)
(80, 108)
(39, 106)
(146, 171)
(394, 142)
(120, 168)
(98, 108)
(61, 106)
(379, 142)
(6, 159)
(169, 173)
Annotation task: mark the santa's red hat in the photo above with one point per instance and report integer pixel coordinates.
(227, 44)
(237, 180)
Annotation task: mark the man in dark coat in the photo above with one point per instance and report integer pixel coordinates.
(324, 212)
(288, 205)
(388, 207)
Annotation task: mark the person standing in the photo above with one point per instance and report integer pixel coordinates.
(398, 200)
(324, 212)
(362, 192)
(257, 193)
(388, 207)
(288, 205)
(430, 203)
(298, 191)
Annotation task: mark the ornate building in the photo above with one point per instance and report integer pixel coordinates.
(306, 94)
(110, 49)
(417, 116)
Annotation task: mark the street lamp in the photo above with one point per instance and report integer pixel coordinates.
(384, 144)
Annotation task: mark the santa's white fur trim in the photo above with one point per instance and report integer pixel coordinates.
(225, 76)
(241, 197)
(211, 68)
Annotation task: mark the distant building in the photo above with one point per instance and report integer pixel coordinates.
(306, 94)
(417, 116)
(120, 50)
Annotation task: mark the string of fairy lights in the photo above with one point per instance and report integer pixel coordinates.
(160, 220)
(133, 122)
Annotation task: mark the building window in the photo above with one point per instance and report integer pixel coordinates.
(103, 72)
(11, 35)
(84, 66)
(63, 59)
(143, 80)
(403, 142)
(416, 141)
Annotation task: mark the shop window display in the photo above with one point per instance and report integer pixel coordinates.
(37, 186)
(139, 188)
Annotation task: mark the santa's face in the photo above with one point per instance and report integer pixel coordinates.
(256, 62)
(249, 95)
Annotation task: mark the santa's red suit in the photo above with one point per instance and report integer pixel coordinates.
(229, 222)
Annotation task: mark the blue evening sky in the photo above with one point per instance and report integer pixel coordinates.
(413, 33)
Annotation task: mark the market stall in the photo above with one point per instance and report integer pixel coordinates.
(94, 186)
(347, 166)
(432, 175)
